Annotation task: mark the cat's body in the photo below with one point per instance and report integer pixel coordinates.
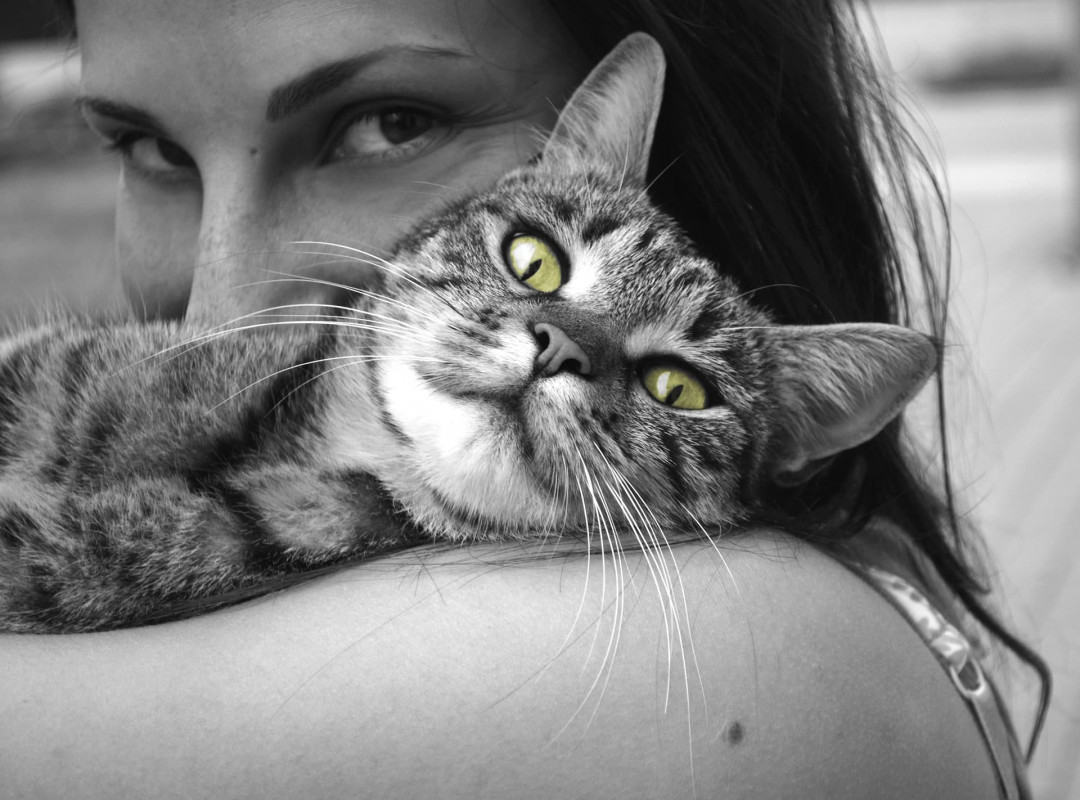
(549, 357)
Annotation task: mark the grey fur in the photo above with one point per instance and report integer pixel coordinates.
(140, 469)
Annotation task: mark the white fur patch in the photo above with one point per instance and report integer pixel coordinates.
(584, 272)
(463, 447)
(358, 441)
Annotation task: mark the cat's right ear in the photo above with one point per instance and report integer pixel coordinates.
(610, 119)
(837, 386)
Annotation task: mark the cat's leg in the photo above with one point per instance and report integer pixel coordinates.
(83, 561)
(311, 516)
(137, 549)
(30, 547)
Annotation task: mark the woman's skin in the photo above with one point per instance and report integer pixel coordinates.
(247, 126)
(764, 669)
(449, 678)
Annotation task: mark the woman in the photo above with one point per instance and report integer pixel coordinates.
(772, 670)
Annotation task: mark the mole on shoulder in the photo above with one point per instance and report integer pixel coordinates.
(734, 733)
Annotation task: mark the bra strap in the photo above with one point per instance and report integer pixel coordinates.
(954, 652)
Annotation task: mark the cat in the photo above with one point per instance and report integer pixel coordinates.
(547, 357)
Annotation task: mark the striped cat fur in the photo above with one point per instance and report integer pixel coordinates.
(548, 358)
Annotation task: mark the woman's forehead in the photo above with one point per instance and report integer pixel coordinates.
(249, 47)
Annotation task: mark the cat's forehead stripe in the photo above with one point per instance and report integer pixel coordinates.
(707, 325)
(598, 227)
(562, 210)
(647, 238)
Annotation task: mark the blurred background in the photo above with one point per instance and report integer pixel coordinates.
(995, 86)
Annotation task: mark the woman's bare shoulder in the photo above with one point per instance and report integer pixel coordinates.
(759, 668)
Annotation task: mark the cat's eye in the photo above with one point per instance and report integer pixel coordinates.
(675, 386)
(535, 262)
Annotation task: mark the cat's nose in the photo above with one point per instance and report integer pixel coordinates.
(559, 352)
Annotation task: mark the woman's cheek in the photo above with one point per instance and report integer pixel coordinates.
(367, 212)
(157, 237)
(372, 209)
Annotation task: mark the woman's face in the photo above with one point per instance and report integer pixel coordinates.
(247, 125)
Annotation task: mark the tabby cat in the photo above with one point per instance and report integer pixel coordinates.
(550, 357)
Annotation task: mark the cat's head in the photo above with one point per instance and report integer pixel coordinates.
(560, 356)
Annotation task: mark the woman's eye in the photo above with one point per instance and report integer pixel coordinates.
(534, 262)
(153, 155)
(385, 134)
(676, 387)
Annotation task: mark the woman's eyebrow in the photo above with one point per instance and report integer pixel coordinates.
(122, 112)
(292, 96)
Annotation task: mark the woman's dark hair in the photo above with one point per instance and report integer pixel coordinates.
(777, 146)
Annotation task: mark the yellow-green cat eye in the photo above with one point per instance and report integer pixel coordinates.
(534, 262)
(676, 387)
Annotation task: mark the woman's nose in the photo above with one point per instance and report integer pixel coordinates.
(246, 261)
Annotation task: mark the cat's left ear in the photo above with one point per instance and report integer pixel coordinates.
(610, 119)
(838, 386)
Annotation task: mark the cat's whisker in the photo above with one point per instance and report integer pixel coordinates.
(354, 290)
(564, 487)
(217, 331)
(658, 543)
(608, 530)
(588, 553)
(346, 287)
(751, 292)
(332, 261)
(591, 511)
(712, 540)
(436, 185)
(660, 174)
(570, 636)
(395, 270)
(419, 193)
(352, 359)
(362, 257)
(375, 322)
(368, 258)
(737, 328)
(558, 518)
(367, 321)
(653, 553)
(335, 259)
(202, 339)
(640, 507)
(247, 253)
(593, 522)
(673, 625)
(275, 313)
(316, 320)
(339, 246)
(230, 327)
(626, 497)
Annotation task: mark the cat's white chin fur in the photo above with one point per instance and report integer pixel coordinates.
(465, 451)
